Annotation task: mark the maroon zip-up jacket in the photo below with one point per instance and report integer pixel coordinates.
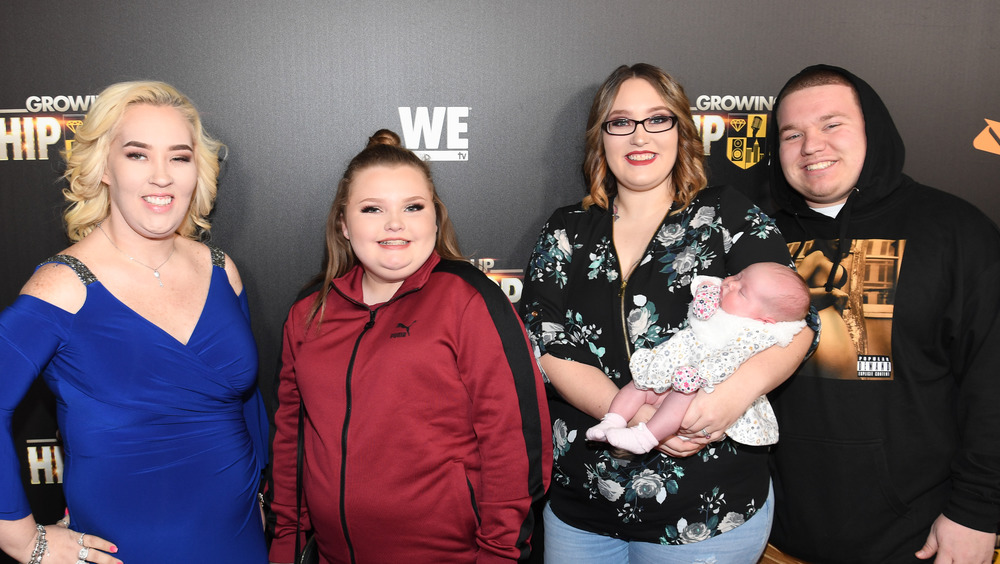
(427, 434)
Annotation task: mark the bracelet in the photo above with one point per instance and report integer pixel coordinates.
(41, 545)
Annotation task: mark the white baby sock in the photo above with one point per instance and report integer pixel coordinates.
(637, 440)
(609, 421)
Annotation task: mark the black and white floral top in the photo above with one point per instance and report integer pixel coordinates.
(577, 307)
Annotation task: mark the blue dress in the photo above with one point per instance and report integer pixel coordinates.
(163, 442)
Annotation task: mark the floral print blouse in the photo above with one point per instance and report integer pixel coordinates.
(576, 306)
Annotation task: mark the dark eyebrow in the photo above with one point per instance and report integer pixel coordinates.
(828, 117)
(822, 118)
(650, 111)
(141, 145)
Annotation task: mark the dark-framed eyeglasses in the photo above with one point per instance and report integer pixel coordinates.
(625, 126)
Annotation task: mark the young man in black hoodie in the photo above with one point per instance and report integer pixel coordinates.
(890, 432)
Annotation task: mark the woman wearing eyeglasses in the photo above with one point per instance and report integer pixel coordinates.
(610, 275)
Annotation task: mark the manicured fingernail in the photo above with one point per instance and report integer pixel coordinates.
(114, 549)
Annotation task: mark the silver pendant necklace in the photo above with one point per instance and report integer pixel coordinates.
(156, 271)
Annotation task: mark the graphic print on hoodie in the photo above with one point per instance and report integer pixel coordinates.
(854, 295)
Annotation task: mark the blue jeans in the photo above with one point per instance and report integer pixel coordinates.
(743, 545)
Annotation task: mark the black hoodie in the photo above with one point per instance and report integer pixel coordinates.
(896, 417)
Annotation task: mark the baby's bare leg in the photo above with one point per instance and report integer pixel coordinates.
(667, 419)
(623, 407)
(629, 399)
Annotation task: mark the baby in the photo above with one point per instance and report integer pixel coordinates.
(729, 321)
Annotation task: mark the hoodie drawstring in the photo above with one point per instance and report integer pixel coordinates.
(843, 243)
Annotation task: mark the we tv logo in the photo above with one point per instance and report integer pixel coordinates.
(424, 127)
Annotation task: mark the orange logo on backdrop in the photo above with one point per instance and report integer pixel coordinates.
(989, 139)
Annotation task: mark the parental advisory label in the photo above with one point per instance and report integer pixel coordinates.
(874, 366)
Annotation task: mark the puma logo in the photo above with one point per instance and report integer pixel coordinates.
(404, 333)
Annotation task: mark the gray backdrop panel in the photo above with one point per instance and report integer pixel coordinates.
(295, 88)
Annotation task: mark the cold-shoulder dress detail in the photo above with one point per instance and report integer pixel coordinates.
(163, 442)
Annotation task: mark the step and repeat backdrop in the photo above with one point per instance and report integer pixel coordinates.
(495, 94)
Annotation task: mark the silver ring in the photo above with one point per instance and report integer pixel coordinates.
(79, 541)
(705, 432)
(80, 562)
(84, 553)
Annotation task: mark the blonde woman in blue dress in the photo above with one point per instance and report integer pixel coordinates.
(143, 335)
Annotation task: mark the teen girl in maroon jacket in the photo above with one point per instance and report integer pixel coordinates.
(427, 435)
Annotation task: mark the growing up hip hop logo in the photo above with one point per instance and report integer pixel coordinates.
(745, 129)
(33, 132)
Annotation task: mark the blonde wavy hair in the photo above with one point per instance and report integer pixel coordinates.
(86, 163)
(688, 176)
(384, 148)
